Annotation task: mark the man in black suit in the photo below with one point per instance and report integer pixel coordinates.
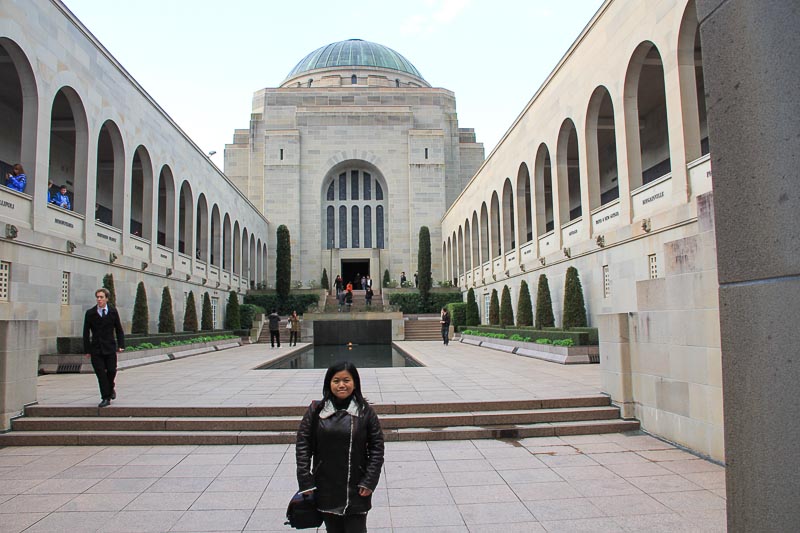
(102, 322)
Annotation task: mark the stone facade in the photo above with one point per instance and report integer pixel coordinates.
(388, 126)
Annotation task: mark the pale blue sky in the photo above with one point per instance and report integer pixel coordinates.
(202, 60)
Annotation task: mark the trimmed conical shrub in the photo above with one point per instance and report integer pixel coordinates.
(141, 316)
(108, 283)
(424, 267)
(574, 306)
(232, 317)
(283, 263)
(166, 319)
(190, 314)
(494, 309)
(544, 305)
(524, 306)
(207, 319)
(324, 282)
(506, 311)
(386, 278)
(473, 315)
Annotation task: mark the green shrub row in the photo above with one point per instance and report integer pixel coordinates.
(73, 345)
(193, 340)
(411, 302)
(579, 338)
(293, 302)
(518, 337)
(458, 313)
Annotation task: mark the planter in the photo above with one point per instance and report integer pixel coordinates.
(565, 355)
(79, 363)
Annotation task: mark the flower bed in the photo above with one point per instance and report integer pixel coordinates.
(565, 355)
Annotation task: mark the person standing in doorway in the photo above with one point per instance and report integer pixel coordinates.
(445, 321)
(416, 279)
(339, 284)
(103, 338)
(274, 328)
(402, 278)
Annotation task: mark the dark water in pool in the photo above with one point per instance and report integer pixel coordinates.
(363, 356)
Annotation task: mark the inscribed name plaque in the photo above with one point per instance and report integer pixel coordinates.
(163, 256)
(462, 281)
(184, 263)
(226, 277)
(65, 222)
(213, 273)
(107, 237)
(700, 175)
(572, 233)
(139, 248)
(547, 244)
(15, 208)
(511, 260)
(498, 264)
(652, 198)
(606, 217)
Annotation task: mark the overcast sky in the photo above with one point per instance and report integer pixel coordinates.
(202, 60)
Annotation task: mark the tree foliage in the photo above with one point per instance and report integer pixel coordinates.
(207, 318)
(190, 314)
(166, 318)
(574, 306)
(232, 314)
(506, 311)
(108, 283)
(544, 305)
(283, 263)
(386, 278)
(324, 282)
(424, 264)
(524, 306)
(141, 316)
(473, 314)
(494, 309)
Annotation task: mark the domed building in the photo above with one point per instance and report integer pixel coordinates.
(354, 152)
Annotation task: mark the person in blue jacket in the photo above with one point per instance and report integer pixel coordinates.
(62, 198)
(16, 179)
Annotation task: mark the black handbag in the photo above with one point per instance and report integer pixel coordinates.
(302, 512)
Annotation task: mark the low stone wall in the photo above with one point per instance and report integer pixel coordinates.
(565, 355)
(79, 363)
(18, 350)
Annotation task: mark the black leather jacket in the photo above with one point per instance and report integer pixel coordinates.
(346, 452)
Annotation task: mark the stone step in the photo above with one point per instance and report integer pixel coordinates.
(154, 438)
(290, 423)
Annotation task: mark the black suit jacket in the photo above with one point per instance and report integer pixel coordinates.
(101, 330)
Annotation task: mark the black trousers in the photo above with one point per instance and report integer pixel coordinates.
(105, 368)
(349, 523)
(445, 333)
(275, 335)
(293, 336)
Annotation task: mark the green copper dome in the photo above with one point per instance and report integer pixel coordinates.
(354, 53)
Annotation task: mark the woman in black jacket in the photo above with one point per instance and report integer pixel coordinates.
(340, 451)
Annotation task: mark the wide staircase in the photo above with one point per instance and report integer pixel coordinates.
(359, 303)
(423, 328)
(91, 426)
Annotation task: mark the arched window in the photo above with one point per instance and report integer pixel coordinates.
(354, 226)
(379, 226)
(524, 213)
(367, 186)
(331, 225)
(111, 175)
(186, 221)
(141, 194)
(495, 227)
(509, 240)
(568, 175)
(476, 242)
(331, 193)
(378, 191)
(354, 184)
(601, 149)
(544, 191)
(69, 133)
(343, 186)
(484, 233)
(166, 209)
(353, 79)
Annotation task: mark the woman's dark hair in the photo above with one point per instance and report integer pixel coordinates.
(353, 371)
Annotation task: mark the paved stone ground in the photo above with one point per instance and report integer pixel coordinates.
(595, 483)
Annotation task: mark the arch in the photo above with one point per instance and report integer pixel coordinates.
(544, 191)
(468, 260)
(245, 273)
(645, 111)
(237, 250)
(342, 226)
(484, 233)
(252, 261)
(141, 207)
(494, 226)
(165, 235)
(20, 103)
(259, 264)
(69, 144)
(380, 243)
(509, 231)
(454, 259)
(476, 241)
(461, 261)
(201, 229)
(568, 173)
(601, 149)
(524, 213)
(216, 236)
(186, 243)
(444, 260)
(354, 225)
(330, 224)
(226, 243)
(449, 259)
(367, 226)
(110, 175)
(692, 85)
(356, 180)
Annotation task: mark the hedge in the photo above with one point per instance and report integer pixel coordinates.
(411, 302)
(247, 313)
(293, 302)
(458, 313)
(580, 338)
(73, 345)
